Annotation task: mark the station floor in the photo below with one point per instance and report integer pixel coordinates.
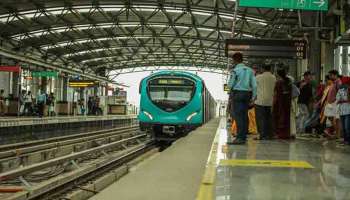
(174, 174)
(272, 170)
(266, 170)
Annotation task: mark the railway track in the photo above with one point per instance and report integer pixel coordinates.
(21, 154)
(10, 147)
(62, 176)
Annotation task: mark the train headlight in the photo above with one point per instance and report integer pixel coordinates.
(148, 115)
(191, 116)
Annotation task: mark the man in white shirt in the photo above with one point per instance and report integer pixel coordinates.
(263, 104)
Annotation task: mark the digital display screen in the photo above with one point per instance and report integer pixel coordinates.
(174, 81)
(291, 49)
(171, 81)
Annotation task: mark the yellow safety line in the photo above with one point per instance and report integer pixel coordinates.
(206, 189)
(267, 163)
(207, 184)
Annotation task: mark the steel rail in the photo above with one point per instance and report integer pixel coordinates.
(88, 174)
(27, 152)
(35, 167)
(56, 140)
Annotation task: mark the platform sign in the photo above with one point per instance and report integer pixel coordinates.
(317, 5)
(45, 74)
(81, 83)
(290, 49)
(226, 88)
(10, 68)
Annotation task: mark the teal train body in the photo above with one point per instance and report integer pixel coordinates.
(173, 103)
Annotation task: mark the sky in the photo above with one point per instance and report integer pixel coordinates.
(213, 81)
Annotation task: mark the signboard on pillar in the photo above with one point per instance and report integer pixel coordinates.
(45, 74)
(316, 5)
(10, 69)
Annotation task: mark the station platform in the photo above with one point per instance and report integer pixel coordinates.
(28, 121)
(20, 129)
(201, 166)
(283, 170)
(172, 174)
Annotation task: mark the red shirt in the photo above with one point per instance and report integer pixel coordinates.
(332, 93)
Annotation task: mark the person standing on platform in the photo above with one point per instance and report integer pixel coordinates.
(265, 88)
(28, 103)
(282, 105)
(242, 84)
(2, 102)
(41, 101)
(51, 104)
(21, 102)
(330, 110)
(81, 106)
(343, 101)
(90, 106)
(304, 101)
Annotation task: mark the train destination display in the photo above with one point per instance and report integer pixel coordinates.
(171, 81)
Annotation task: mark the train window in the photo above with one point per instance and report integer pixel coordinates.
(171, 94)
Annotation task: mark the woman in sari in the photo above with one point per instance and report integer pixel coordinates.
(282, 105)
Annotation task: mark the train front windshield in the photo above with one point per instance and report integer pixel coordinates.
(171, 94)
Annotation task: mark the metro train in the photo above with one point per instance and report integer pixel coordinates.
(174, 103)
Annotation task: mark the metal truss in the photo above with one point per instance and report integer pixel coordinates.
(116, 35)
(197, 68)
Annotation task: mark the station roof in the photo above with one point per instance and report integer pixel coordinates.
(114, 35)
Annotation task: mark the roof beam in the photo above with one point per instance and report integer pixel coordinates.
(55, 66)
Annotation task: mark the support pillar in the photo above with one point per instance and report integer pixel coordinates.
(302, 66)
(314, 62)
(64, 88)
(43, 85)
(327, 58)
(5, 82)
(57, 90)
(337, 59)
(95, 90)
(345, 61)
(15, 84)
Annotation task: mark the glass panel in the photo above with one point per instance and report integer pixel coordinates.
(171, 94)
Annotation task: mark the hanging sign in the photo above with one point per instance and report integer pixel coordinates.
(10, 68)
(317, 5)
(267, 48)
(81, 83)
(44, 74)
(226, 88)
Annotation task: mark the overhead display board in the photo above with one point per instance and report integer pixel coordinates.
(81, 83)
(259, 48)
(44, 74)
(317, 5)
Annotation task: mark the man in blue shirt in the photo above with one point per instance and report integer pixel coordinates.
(243, 89)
